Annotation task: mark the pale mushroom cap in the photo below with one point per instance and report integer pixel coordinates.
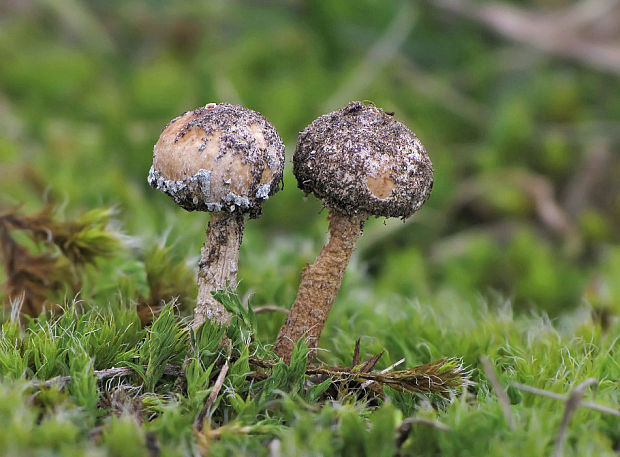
(358, 159)
(220, 157)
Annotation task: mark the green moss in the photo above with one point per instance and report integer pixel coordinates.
(86, 91)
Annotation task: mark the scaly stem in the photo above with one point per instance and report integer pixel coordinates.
(218, 265)
(319, 285)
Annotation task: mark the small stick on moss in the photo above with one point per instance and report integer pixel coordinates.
(442, 376)
(394, 365)
(204, 439)
(217, 387)
(270, 309)
(62, 381)
(356, 354)
(431, 423)
(404, 429)
(572, 404)
(564, 398)
(499, 390)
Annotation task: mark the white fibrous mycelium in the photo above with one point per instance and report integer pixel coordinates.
(262, 192)
(193, 191)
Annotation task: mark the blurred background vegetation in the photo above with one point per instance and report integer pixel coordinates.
(524, 138)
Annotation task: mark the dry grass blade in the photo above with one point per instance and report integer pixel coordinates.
(270, 309)
(499, 391)
(391, 367)
(370, 363)
(571, 406)
(429, 422)
(16, 304)
(101, 375)
(206, 437)
(356, 354)
(217, 387)
(274, 448)
(554, 33)
(564, 398)
(404, 429)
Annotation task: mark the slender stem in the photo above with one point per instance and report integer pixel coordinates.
(502, 396)
(218, 265)
(319, 285)
(62, 381)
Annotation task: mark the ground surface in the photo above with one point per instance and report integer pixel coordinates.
(515, 256)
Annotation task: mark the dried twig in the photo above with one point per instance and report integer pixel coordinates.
(394, 365)
(275, 446)
(555, 33)
(564, 398)
(572, 403)
(438, 377)
(587, 175)
(217, 387)
(404, 429)
(499, 390)
(356, 354)
(270, 309)
(62, 381)
(370, 363)
(206, 437)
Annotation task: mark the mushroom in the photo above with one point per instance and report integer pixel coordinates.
(225, 159)
(359, 161)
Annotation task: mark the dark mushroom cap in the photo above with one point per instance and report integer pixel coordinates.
(220, 157)
(358, 159)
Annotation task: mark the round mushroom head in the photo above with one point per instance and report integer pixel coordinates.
(220, 157)
(359, 159)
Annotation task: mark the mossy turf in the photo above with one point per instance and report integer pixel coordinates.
(57, 399)
(515, 256)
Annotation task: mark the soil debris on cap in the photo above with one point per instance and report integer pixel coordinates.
(360, 159)
(220, 157)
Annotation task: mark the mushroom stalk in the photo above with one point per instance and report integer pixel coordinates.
(218, 266)
(225, 159)
(319, 285)
(359, 161)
